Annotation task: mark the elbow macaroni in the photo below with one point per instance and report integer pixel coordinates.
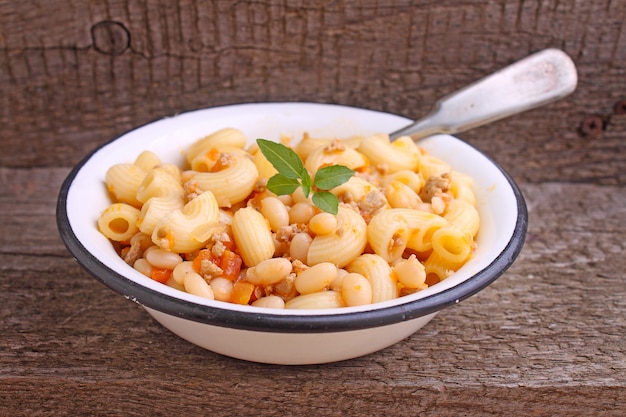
(175, 231)
(230, 185)
(379, 274)
(343, 245)
(235, 241)
(253, 236)
(119, 222)
(402, 154)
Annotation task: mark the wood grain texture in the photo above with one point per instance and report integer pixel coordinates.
(66, 88)
(546, 339)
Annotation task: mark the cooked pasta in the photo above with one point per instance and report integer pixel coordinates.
(402, 154)
(147, 160)
(253, 236)
(123, 181)
(431, 166)
(159, 183)
(335, 153)
(379, 274)
(119, 222)
(227, 137)
(462, 187)
(155, 209)
(342, 246)
(388, 234)
(406, 220)
(174, 232)
(230, 185)
(411, 179)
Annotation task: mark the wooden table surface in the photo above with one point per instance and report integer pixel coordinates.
(545, 339)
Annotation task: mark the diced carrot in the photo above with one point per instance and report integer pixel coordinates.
(213, 154)
(230, 263)
(160, 274)
(204, 254)
(242, 292)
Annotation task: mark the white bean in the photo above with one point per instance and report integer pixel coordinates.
(162, 258)
(356, 290)
(400, 195)
(323, 223)
(270, 301)
(298, 197)
(324, 299)
(275, 212)
(196, 285)
(437, 204)
(301, 213)
(286, 199)
(299, 246)
(171, 282)
(222, 288)
(149, 249)
(316, 278)
(181, 270)
(410, 272)
(336, 284)
(269, 271)
(143, 266)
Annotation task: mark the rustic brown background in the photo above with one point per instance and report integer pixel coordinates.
(546, 339)
(75, 74)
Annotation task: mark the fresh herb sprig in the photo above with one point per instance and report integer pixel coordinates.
(292, 174)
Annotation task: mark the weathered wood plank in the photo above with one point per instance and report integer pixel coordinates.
(66, 88)
(547, 335)
(123, 397)
(546, 338)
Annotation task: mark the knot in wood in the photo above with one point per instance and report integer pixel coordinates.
(592, 126)
(110, 37)
(619, 107)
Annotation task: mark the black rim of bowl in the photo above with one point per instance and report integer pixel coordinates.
(268, 322)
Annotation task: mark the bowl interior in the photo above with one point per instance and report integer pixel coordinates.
(500, 204)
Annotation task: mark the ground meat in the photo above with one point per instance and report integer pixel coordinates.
(373, 177)
(298, 266)
(346, 197)
(371, 203)
(285, 289)
(286, 233)
(260, 185)
(192, 190)
(209, 270)
(408, 291)
(134, 252)
(218, 249)
(225, 159)
(335, 146)
(435, 185)
(382, 169)
(217, 240)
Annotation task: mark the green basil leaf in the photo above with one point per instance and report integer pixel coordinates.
(281, 185)
(326, 201)
(332, 176)
(306, 183)
(284, 159)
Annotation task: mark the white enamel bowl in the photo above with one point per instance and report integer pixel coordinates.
(287, 336)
